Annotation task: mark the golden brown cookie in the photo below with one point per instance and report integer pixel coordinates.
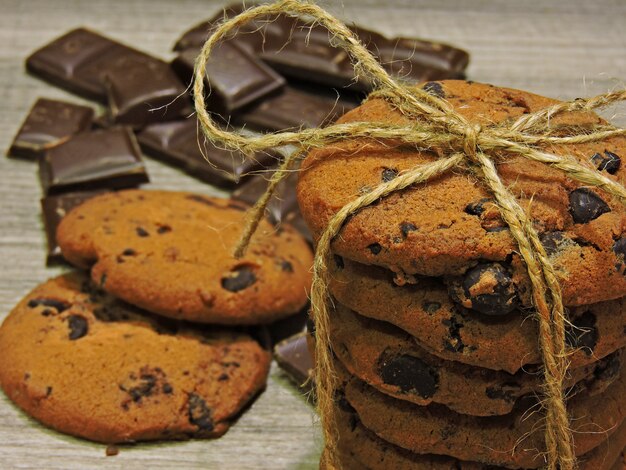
(389, 360)
(88, 365)
(515, 440)
(361, 449)
(172, 253)
(454, 333)
(449, 225)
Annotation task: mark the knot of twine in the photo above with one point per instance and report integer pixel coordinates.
(434, 124)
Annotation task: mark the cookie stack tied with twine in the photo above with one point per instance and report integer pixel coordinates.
(498, 203)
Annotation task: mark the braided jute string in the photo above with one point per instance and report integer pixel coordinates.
(434, 124)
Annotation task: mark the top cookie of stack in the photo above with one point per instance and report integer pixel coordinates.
(450, 227)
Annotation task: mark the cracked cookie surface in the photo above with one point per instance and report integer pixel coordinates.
(171, 253)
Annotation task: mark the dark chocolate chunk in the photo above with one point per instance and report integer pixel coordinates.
(434, 88)
(488, 287)
(49, 123)
(240, 278)
(583, 333)
(142, 232)
(80, 60)
(552, 241)
(476, 208)
(410, 374)
(58, 305)
(143, 90)
(406, 228)
(78, 326)
(585, 205)
(295, 107)
(430, 307)
(619, 248)
(506, 391)
(178, 143)
(93, 160)
(199, 413)
(292, 355)
(129, 252)
(286, 266)
(234, 77)
(453, 342)
(54, 209)
(164, 229)
(610, 162)
(388, 174)
(375, 248)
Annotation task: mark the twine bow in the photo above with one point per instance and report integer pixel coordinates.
(434, 123)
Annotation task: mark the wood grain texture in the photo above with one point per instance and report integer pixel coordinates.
(560, 49)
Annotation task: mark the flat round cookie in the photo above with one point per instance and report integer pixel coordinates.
(514, 440)
(451, 332)
(389, 360)
(361, 449)
(449, 226)
(172, 253)
(88, 365)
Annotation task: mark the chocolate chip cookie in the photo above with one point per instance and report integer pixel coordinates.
(88, 365)
(452, 332)
(450, 226)
(389, 359)
(172, 253)
(514, 440)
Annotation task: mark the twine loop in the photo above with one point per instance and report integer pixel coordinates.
(435, 125)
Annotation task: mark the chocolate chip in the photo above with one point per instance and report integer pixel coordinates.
(608, 368)
(375, 248)
(552, 241)
(286, 266)
(610, 162)
(430, 307)
(78, 326)
(410, 374)
(476, 208)
(338, 261)
(164, 229)
(435, 89)
(240, 278)
(406, 228)
(129, 252)
(167, 388)
(388, 174)
(585, 205)
(222, 377)
(199, 413)
(583, 334)
(508, 391)
(58, 305)
(619, 248)
(489, 289)
(142, 232)
(453, 342)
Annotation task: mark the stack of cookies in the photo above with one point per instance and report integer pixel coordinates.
(161, 335)
(434, 339)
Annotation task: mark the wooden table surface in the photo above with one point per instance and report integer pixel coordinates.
(563, 49)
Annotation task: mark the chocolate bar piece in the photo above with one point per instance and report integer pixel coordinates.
(234, 77)
(293, 356)
(80, 60)
(254, 36)
(49, 123)
(145, 91)
(182, 144)
(282, 207)
(54, 209)
(295, 106)
(107, 158)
